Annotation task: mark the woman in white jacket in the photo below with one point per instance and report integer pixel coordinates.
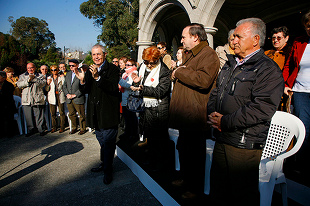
(56, 98)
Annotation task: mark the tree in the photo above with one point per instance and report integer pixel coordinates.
(34, 34)
(12, 53)
(118, 20)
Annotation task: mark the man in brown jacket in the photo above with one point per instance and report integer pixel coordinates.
(188, 108)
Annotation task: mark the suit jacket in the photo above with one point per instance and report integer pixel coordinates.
(103, 101)
(73, 88)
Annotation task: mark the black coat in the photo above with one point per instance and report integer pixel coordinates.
(7, 103)
(102, 103)
(156, 118)
(247, 96)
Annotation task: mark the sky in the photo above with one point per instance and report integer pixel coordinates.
(70, 27)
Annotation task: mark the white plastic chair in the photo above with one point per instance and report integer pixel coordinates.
(209, 154)
(67, 114)
(284, 127)
(47, 116)
(18, 116)
(173, 135)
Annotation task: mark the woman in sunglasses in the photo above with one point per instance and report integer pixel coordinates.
(56, 98)
(131, 121)
(153, 82)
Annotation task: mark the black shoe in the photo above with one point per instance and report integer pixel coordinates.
(42, 133)
(30, 132)
(98, 169)
(107, 179)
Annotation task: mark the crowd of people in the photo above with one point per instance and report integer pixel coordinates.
(229, 94)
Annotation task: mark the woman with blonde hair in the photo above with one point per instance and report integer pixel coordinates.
(56, 97)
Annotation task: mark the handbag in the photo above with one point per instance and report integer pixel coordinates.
(135, 102)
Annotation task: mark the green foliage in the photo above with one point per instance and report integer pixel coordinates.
(88, 59)
(31, 41)
(118, 51)
(11, 53)
(53, 55)
(118, 20)
(33, 34)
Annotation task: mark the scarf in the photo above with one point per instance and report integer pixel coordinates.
(151, 80)
(127, 74)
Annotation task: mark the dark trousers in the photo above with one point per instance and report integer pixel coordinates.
(131, 123)
(36, 112)
(53, 109)
(80, 109)
(234, 175)
(192, 155)
(158, 143)
(107, 141)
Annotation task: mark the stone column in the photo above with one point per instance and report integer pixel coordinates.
(210, 32)
(143, 45)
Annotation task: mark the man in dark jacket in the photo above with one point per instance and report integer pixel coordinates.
(188, 108)
(248, 92)
(75, 98)
(101, 84)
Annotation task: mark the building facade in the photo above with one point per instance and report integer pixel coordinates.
(164, 20)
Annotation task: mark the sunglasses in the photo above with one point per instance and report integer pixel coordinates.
(128, 65)
(53, 70)
(71, 65)
(159, 47)
(278, 38)
(114, 61)
(150, 63)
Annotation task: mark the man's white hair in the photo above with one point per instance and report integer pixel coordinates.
(103, 49)
(258, 28)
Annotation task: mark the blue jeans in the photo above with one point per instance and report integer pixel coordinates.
(301, 103)
(107, 141)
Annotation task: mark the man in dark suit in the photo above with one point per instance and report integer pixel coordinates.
(101, 84)
(75, 98)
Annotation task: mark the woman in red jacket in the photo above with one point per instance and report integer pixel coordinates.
(296, 75)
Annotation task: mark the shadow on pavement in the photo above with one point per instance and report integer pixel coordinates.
(52, 153)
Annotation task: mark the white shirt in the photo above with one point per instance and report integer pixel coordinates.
(302, 82)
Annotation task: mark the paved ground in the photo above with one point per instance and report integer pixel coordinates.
(55, 170)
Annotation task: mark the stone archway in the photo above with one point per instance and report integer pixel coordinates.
(169, 17)
(218, 16)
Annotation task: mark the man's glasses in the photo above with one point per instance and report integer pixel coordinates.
(114, 61)
(159, 47)
(53, 70)
(71, 65)
(150, 63)
(277, 38)
(128, 65)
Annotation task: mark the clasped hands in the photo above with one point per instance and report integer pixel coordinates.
(215, 120)
(70, 96)
(136, 79)
(81, 75)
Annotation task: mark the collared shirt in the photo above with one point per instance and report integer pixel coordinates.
(72, 78)
(99, 69)
(245, 58)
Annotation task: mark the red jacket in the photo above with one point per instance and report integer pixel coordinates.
(291, 67)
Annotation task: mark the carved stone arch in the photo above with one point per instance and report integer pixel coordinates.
(153, 15)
